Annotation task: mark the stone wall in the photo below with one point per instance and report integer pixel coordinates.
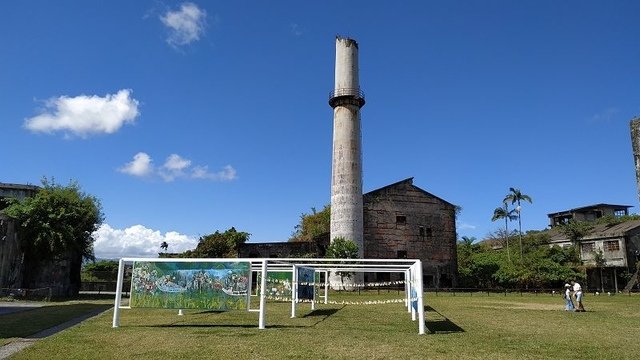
(315, 248)
(10, 255)
(404, 221)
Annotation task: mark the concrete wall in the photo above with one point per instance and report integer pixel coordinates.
(401, 220)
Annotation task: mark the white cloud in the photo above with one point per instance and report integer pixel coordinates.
(460, 225)
(138, 241)
(228, 173)
(605, 116)
(185, 25)
(295, 29)
(139, 166)
(86, 115)
(174, 167)
(176, 162)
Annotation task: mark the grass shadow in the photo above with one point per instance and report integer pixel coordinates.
(46, 320)
(324, 313)
(442, 325)
(242, 326)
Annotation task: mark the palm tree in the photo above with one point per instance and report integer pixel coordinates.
(507, 215)
(515, 196)
(164, 246)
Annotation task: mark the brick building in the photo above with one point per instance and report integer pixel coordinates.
(400, 221)
(403, 221)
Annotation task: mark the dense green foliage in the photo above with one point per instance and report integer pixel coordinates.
(103, 270)
(216, 245)
(312, 225)
(56, 224)
(542, 266)
(576, 230)
(341, 248)
(57, 220)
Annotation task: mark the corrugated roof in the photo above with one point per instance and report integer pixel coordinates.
(599, 231)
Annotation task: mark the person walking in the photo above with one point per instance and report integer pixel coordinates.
(577, 292)
(568, 302)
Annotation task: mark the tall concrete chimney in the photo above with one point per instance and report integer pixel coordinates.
(635, 145)
(346, 99)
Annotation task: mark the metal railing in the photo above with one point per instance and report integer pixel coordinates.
(357, 93)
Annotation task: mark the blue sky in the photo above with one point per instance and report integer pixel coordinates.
(188, 117)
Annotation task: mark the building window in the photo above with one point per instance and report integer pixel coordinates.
(588, 247)
(611, 245)
(421, 230)
(429, 232)
(401, 219)
(620, 213)
(402, 254)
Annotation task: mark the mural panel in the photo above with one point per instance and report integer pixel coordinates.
(306, 277)
(198, 285)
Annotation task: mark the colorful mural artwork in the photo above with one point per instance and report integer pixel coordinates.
(306, 278)
(190, 285)
(278, 285)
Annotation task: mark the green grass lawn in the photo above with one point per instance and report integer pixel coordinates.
(458, 327)
(25, 323)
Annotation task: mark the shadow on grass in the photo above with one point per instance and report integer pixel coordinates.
(46, 320)
(324, 313)
(242, 326)
(442, 325)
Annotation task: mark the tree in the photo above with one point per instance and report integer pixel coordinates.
(515, 197)
(576, 230)
(507, 215)
(56, 224)
(164, 246)
(218, 245)
(312, 225)
(103, 270)
(341, 248)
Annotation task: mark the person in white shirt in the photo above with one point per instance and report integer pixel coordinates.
(568, 302)
(577, 292)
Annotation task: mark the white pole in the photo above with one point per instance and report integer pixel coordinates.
(180, 312)
(326, 286)
(420, 292)
(413, 292)
(294, 291)
(263, 295)
(116, 305)
(313, 300)
(407, 289)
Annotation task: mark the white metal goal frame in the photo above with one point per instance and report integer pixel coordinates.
(411, 268)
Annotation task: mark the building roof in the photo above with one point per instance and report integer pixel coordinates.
(8, 186)
(588, 207)
(407, 181)
(599, 231)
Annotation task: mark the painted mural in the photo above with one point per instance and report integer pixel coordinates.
(278, 285)
(306, 278)
(197, 285)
